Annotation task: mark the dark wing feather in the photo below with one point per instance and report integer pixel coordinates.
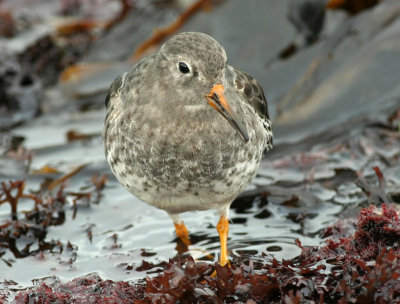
(115, 86)
(254, 95)
(253, 92)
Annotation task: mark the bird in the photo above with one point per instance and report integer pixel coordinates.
(185, 131)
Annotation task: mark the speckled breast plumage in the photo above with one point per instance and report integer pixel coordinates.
(185, 174)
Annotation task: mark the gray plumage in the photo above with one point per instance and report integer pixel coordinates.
(167, 145)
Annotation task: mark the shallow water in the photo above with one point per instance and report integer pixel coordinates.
(305, 192)
(305, 184)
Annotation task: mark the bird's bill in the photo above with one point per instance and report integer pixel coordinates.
(217, 100)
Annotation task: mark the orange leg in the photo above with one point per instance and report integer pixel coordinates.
(223, 229)
(182, 233)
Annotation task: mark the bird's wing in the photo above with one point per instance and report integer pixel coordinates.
(128, 83)
(253, 93)
(113, 89)
(123, 93)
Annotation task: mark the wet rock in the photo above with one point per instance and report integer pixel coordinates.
(19, 93)
(25, 69)
(119, 42)
(352, 73)
(31, 60)
(15, 160)
(308, 18)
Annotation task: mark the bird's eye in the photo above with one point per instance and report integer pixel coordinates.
(183, 67)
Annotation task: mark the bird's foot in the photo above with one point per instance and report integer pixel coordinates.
(223, 229)
(183, 234)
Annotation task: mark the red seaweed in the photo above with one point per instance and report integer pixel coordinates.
(48, 210)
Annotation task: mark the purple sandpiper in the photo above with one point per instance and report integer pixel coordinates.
(186, 131)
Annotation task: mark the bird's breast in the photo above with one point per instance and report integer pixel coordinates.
(196, 155)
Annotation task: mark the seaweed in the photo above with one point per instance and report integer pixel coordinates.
(20, 235)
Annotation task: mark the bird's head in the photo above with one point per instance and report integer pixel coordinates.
(194, 65)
